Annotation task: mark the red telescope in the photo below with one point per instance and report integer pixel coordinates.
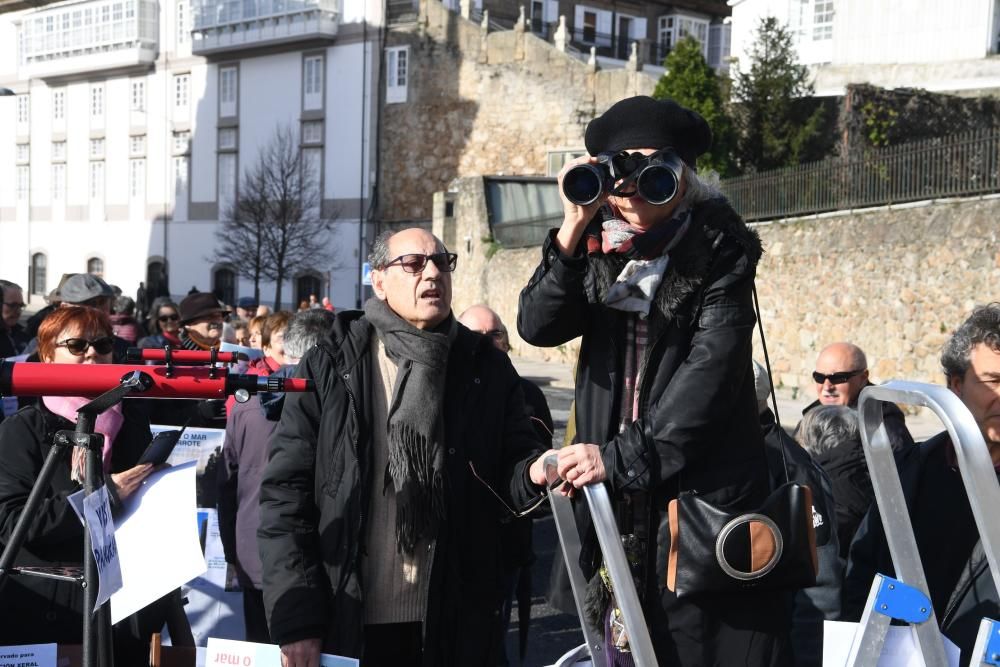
(174, 356)
(90, 380)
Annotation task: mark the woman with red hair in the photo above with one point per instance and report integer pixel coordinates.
(36, 610)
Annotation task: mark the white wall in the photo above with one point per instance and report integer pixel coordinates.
(879, 31)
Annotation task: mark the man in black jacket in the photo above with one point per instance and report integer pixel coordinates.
(958, 577)
(841, 373)
(382, 498)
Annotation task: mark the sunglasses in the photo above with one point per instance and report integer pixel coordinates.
(415, 262)
(15, 306)
(78, 346)
(835, 378)
(169, 318)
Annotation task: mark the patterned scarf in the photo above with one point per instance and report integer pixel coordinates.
(648, 253)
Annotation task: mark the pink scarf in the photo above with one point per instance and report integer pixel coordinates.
(108, 424)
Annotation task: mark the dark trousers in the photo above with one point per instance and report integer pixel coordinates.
(393, 644)
(254, 617)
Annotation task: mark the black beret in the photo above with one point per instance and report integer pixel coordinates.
(643, 122)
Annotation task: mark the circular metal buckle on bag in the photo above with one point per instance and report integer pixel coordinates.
(764, 531)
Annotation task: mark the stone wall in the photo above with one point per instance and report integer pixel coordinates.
(896, 281)
(483, 103)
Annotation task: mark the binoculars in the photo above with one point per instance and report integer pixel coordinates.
(656, 177)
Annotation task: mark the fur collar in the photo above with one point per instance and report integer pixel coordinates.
(714, 226)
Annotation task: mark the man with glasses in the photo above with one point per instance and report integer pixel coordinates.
(202, 319)
(841, 373)
(13, 338)
(385, 489)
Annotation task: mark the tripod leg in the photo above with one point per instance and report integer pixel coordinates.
(38, 491)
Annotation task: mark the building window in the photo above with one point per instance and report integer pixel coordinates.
(312, 82)
(95, 266)
(22, 109)
(58, 151)
(228, 90)
(181, 82)
(227, 139)
(397, 59)
(38, 262)
(182, 23)
(822, 20)
(58, 181)
(136, 178)
(97, 100)
(182, 141)
(137, 144)
(555, 160)
(719, 45)
(96, 180)
(589, 27)
(312, 179)
(138, 95)
(224, 285)
(58, 104)
(23, 152)
(674, 28)
(227, 183)
(180, 177)
(23, 181)
(97, 149)
(312, 132)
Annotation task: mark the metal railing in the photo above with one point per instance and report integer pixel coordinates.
(958, 165)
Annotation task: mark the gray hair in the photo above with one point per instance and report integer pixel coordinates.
(983, 326)
(378, 257)
(124, 305)
(698, 189)
(305, 330)
(827, 427)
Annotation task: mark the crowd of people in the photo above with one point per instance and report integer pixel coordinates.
(388, 514)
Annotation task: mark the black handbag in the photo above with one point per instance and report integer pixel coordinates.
(717, 549)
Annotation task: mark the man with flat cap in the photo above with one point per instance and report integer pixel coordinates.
(656, 275)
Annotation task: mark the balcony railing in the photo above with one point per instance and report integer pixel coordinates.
(951, 166)
(239, 24)
(89, 36)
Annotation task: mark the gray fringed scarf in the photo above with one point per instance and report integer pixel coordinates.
(415, 430)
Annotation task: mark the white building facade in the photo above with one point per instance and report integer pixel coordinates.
(133, 121)
(939, 46)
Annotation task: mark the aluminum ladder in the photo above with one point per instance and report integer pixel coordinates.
(599, 504)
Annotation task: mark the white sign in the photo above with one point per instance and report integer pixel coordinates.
(247, 654)
(100, 525)
(29, 655)
(899, 649)
(157, 540)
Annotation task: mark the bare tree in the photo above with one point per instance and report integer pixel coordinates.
(277, 228)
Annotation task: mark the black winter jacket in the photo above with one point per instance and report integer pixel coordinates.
(33, 609)
(698, 425)
(316, 488)
(958, 578)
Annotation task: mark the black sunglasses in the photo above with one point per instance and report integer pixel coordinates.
(415, 262)
(169, 318)
(15, 305)
(835, 378)
(78, 346)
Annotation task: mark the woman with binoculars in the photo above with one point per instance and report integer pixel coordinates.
(655, 271)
